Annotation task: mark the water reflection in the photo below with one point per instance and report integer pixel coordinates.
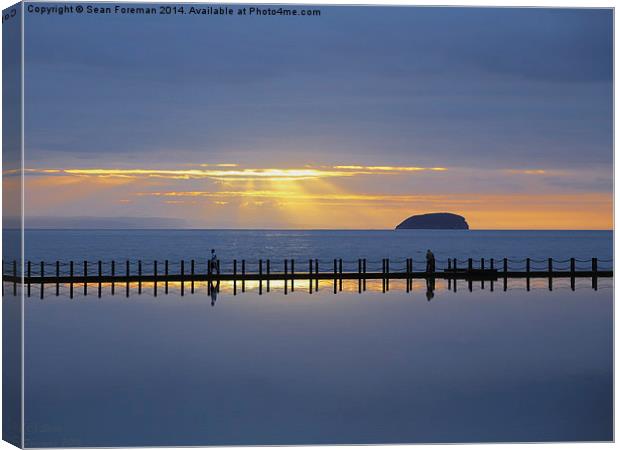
(295, 368)
(213, 289)
(430, 288)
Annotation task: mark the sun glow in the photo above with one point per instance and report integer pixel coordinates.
(316, 196)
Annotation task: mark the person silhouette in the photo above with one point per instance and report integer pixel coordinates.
(213, 262)
(430, 261)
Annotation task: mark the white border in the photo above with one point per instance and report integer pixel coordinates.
(479, 3)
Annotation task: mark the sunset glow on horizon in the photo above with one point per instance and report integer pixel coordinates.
(326, 197)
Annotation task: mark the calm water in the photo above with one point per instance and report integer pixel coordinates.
(50, 245)
(319, 368)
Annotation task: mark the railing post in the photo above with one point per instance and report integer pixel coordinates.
(316, 272)
(550, 269)
(14, 277)
(310, 274)
(594, 266)
(527, 270)
(364, 272)
(42, 278)
(595, 274)
(192, 273)
(449, 264)
(139, 276)
(482, 263)
(492, 263)
(85, 275)
(29, 275)
(383, 275)
(292, 275)
(527, 266)
(285, 276)
(112, 270)
(260, 268)
(572, 274)
(127, 272)
(183, 276)
(408, 271)
(243, 275)
(71, 279)
(100, 274)
(268, 273)
(335, 275)
(470, 264)
(155, 278)
(505, 266)
(340, 274)
(57, 278)
(166, 276)
(359, 275)
(234, 277)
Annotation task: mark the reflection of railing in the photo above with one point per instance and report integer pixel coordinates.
(287, 270)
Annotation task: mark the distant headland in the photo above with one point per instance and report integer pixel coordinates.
(434, 221)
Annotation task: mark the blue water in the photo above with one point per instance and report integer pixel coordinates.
(394, 367)
(251, 245)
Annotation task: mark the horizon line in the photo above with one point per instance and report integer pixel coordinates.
(296, 229)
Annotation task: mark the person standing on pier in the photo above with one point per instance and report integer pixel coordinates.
(213, 262)
(430, 261)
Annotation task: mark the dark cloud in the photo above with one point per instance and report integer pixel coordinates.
(386, 84)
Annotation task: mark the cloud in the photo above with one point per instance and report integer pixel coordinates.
(248, 174)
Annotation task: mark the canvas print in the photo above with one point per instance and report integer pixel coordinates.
(271, 224)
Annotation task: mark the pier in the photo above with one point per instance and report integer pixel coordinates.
(159, 274)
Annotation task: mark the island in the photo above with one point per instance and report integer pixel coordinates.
(434, 221)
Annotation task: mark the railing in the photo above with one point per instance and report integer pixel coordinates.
(192, 271)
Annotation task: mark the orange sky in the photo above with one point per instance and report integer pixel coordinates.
(346, 196)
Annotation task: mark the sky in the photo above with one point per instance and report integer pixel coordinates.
(357, 118)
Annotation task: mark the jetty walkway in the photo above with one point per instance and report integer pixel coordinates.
(290, 270)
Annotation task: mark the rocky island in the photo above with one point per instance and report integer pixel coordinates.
(434, 221)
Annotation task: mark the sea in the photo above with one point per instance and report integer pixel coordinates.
(529, 362)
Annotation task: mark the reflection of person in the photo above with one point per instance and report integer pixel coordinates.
(214, 290)
(430, 261)
(430, 288)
